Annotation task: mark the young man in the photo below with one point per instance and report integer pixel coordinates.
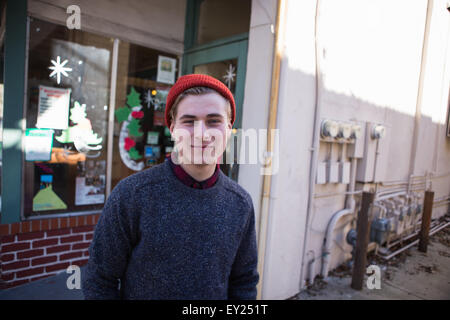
(181, 229)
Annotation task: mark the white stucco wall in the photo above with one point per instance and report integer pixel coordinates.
(371, 60)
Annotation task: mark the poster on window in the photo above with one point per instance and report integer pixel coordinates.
(53, 108)
(90, 182)
(166, 70)
(38, 144)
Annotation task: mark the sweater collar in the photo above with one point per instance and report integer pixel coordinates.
(189, 181)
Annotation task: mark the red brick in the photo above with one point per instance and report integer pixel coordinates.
(64, 222)
(62, 248)
(15, 228)
(30, 236)
(96, 217)
(30, 253)
(88, 236)
(71, 255)
(54, 224)
(72, 222)
(7, 257)
(45, 225)
(8, 239)
(17, 283)
(26, 227)
(86, 253)
(36, 225)
(7, 276)
(43, 260)
(77, 246)
(80, 263)
(15, 247)
(15, 265)
(56, 267)
(4, 230)
(83, 229)
(29, 272)
(58, 232)
(81, 220)
(45, 243)
(72, 239)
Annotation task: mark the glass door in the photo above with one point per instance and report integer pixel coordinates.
(227, 63)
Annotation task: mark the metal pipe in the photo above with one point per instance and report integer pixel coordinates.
(328, 240)
(418, 115)
(387, 196)
(315, 139)
(413, 243)
(273, 110)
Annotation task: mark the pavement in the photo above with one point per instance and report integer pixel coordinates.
(411, 275)
(51, 288)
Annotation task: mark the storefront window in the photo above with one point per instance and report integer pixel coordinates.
(220, 19)
(144, 78)
(68, 91)
(67, 114)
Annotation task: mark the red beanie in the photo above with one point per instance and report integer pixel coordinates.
(198, 80)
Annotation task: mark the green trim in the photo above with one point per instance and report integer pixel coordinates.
(219, 42)
(14, 80)
(190, 31)
(236, 50)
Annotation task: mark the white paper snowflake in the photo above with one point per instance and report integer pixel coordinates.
(148, 98)
(58, 69)
(229, 77)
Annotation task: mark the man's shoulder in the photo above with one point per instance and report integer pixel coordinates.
(148, 177)
(237, 190)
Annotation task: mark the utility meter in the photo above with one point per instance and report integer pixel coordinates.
(329, 128)
(345, 130)
(356, 131)
(378, 131)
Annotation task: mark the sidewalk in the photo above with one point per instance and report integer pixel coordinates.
(51, 288)
(411, 275)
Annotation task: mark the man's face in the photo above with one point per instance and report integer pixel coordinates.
(201, 128)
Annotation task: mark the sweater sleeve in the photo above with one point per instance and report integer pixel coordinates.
(244, 275)
(110, 248)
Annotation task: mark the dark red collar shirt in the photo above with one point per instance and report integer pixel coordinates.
(185, 178)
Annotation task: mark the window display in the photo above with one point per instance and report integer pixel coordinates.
(67, 114)
(68, 95)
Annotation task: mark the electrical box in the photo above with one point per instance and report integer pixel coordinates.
(356, 149)
(344, 172)
(333, 172)
(376, 150)
(321, 177)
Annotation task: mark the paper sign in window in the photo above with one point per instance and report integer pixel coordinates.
(53, 108)
(38, 144)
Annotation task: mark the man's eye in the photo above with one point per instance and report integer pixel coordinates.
(214, 121)
(188, 121)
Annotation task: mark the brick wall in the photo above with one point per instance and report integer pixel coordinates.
(33, 250)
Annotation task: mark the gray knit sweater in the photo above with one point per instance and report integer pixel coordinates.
(160, 239)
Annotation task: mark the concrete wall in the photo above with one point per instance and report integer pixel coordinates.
(158, 24)
(370, 62)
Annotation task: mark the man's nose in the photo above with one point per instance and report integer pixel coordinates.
(201, 130)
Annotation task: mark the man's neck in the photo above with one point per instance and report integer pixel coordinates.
(199, 172)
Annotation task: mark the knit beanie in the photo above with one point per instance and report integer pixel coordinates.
(198, 80)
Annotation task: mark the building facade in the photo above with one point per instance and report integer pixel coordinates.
(356, 92)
